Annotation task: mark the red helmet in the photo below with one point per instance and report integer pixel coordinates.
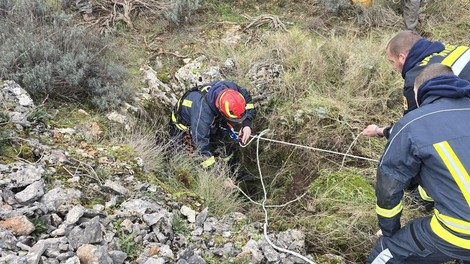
(231, 104)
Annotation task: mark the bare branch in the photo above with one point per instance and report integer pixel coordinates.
(272, 20)
(109, 12)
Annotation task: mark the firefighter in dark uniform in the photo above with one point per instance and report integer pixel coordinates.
(409, 54)
(429, 145)
(208, 112)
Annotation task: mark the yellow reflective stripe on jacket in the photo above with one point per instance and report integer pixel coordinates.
(187, 103)
(461, 62)
(208, 162)
(454, 55)
(455, 167)
(424, 195)
(455, 224)
(443, 233)
(205, 88)
(177, 124)
(389, 213)
(249, 106)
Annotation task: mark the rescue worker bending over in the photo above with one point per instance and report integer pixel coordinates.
(430, 145)
(210, 110)
(409, 54)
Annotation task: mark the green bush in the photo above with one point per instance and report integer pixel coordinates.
(51, 57)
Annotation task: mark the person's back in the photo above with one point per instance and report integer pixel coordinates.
(439, 132)
(424, 53)
(207, 111)
(429, 145)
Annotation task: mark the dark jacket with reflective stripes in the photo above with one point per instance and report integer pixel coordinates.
(430, 145)
(423, 53)
(204, 115)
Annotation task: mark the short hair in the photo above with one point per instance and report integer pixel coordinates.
(402, 42)
(431, 71)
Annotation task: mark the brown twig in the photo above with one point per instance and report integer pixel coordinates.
(109, 12)
(20, 159)
(94, 176)
(272, 20)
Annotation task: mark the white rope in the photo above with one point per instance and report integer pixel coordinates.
(265, 226)
(270, 206)
(306, 147)
(263, 204)
(350, 146)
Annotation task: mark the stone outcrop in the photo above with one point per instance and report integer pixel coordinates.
(45, 221)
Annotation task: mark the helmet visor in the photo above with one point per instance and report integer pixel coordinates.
(236, 120)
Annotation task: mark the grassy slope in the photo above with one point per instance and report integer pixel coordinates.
(336, 81)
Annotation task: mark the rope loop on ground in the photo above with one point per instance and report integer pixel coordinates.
(263, 203)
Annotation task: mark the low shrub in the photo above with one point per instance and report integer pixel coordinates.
(52, 58)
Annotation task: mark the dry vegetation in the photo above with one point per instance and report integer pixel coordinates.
(336, 80)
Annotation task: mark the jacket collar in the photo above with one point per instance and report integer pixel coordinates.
(448, 85)
(420, 50)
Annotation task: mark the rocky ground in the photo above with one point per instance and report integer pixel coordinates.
(43, 220)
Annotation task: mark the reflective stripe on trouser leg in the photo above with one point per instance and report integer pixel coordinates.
(413, 243)
(447, 236)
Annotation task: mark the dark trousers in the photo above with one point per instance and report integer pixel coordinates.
(414, 244)
(221, 144)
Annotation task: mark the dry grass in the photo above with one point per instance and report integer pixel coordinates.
(379, 16)
(189, 182)
(220, 199)
(180, 172)
(446, 21)
(334, 84)
(148, 142)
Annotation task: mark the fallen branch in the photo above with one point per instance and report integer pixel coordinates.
(108, 12)
(272, 20)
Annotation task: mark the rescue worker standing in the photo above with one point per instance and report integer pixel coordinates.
(410, 13)
(208, 112)
(430, 145)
